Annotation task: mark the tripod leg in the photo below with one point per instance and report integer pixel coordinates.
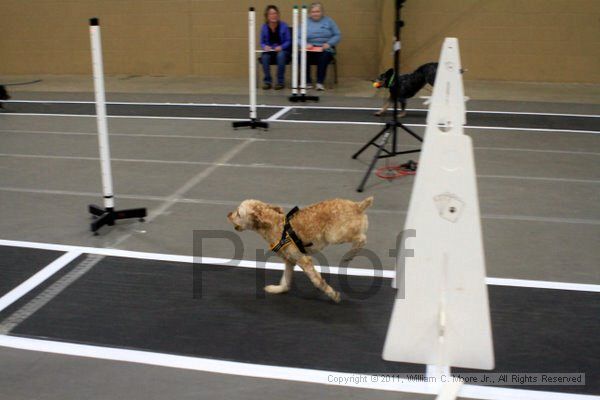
(384, 141)
(370, 142)
(411, 132)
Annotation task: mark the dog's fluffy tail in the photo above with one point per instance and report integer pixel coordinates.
(366, 203)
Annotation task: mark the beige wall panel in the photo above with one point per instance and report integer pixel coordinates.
(526, 40)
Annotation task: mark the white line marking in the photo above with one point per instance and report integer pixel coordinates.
(26, 311)
(530, 129)
(92, 259)
(273, 372)
(533, 113)
(292, 107)
(424, 110)
(279, 167)
(36, 279)
(539, 178)
(146, 104)
(527, 283)
(277, 266)
(533, 218)
(336, 142)
(121, 116)
(279, 113)
(200, 137)
(178, 194)
(290, 121)
(526, 218)
(512, 149)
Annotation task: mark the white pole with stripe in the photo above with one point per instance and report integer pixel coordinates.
(98, 69)
(303, 54)
(295, 51)
(252, 61)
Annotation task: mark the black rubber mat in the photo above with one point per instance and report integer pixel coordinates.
(546, 331)
(308, 114)
(17, 264)
(155, 306)
(150, 305)
(140, 110)
(473, 119)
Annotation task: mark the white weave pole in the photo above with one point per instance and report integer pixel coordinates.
(295, 51)
(303, 55)
(107, 215)
(303, 61)
(252, 61)
(253, 122)
(107, 183)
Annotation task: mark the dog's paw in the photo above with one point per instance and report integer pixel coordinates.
(276, 289)
(336, 297)
(377, 114)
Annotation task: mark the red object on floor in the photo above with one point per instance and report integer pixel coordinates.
(390, 172)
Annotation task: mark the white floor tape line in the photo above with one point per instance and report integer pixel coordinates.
(357, 381)
(126, 103)
(290, 121)
(39, 277)
(387, 274)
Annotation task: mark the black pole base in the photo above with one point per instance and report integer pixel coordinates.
(390, 130)
(108, 216)
(301, 98)
(252, 123)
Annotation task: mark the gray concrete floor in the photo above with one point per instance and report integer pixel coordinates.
(85, 378)
(539, 194)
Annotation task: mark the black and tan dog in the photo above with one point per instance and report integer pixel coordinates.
(408, 85)
(3, 95)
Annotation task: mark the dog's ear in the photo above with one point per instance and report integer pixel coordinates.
(260, 218)
(275, 208)
(389, 72)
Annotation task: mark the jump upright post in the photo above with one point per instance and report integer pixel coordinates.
(303, 60)
(294, 54)
(254, 122)
(106, 215)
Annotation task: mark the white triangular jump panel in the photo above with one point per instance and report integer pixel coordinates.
(444, 318)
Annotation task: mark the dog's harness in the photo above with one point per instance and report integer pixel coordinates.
(289, 235)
